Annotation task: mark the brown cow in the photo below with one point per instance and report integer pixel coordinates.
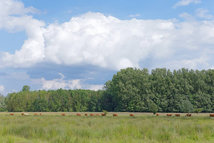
(188, 115)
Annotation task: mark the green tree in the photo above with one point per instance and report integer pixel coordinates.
(2, 104)
(26, 88)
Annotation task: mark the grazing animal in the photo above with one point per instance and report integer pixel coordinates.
(115, 115)
(86, 114)
(11, 114)
(91, 114)
(40, 114)
(169, 115)
(157, 114)
(188, 115)
(78, 114)
(211, 115)
(63, 114)
(97, 114)
(132, 115)
(24, 114)
(177, 115)
(103, 114)
(35, 114)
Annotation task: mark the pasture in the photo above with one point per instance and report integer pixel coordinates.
(73, 128)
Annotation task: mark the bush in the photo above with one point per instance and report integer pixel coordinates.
(104, 113)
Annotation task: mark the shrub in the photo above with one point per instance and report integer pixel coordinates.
(40, 114)
(86, 114)
(104, 113)
(153, 107)
(198, 110)
(97, 114)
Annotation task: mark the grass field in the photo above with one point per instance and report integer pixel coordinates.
(143, 128)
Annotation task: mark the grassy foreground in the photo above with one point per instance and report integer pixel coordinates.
(122, 129)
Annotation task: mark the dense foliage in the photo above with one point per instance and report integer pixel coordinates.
(133, 90)
(54, 101)
(161, 90)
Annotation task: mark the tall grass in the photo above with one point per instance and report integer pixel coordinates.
(98, 129)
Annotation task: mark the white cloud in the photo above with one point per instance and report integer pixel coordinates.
(65, 84)
(134, 15)
(108, 42)
(187, 63)
(14, 17)
(2, 88)
(60, 83)
(204, 13)
(14, 7)
(94, 87)
(186, 2)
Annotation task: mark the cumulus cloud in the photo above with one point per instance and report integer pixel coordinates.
(66, 84)
(186, 2)
(1, 88)
(14, 17)
(108, 42)
(60, 83)
(14, 7)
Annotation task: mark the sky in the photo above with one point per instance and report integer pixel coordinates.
(81, 44)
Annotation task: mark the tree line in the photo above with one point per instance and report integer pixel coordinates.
(130, 90)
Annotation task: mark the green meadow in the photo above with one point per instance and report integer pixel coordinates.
(143, 128)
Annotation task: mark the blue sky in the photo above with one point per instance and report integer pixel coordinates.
(75, 44)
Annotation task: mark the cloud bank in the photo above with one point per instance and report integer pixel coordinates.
(108, 42)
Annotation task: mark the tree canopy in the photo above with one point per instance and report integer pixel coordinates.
(130, 90)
